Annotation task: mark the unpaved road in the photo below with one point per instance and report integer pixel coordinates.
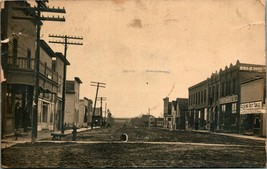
(114, 153)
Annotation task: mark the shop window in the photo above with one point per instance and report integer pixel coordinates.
(234, 108)
(45, 112)
(223, 108)
(51, 117)
(257, 122)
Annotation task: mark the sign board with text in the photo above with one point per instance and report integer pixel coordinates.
(252, 108)
(228, 99)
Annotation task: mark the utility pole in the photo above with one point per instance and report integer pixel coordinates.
(35, 14)
(97, 84)
(65, 43)
(101, 108)
(106, 111)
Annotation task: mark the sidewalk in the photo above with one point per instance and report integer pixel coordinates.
(26, 137)
(233, 135)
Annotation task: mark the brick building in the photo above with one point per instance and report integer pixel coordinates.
(197, 105)
(222, 104)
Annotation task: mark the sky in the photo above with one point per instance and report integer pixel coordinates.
(146, 50)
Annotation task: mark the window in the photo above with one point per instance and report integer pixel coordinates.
(234, 108)
(45, 112)
(15, 51)
(222, 90)
(28, 58)
(205, 95)
(233, 86)
(229, 88)
(217, 91)
(202, 96)
(223, 108)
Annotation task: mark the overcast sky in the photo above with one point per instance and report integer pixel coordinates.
(146, 50)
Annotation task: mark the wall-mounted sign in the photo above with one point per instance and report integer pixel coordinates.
(253, 68)
(252, 108)
(228, 99)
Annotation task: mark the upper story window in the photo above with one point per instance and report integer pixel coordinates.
(205, 95)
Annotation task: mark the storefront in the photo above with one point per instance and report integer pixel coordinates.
(252, 107)
(228, 113)
(253, 118)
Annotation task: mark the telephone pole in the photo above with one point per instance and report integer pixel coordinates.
(98, 85)
(35, 14)
(101, 108)
(65, 42)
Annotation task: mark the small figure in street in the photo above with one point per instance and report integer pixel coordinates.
(74, 133)
(196, 125)
(212, 126)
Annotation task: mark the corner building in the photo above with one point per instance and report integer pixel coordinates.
(222, 106)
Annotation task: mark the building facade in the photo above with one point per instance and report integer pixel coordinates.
(85, 107)
(19, 68)
(72, 102)
(175, 113)
(222, 104)
(58, 66)
(253, 107)
(198, 103)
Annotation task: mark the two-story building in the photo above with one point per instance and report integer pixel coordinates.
(58, 66)
(221, 96)
(175, 113)
(19, 67)
(72, 102)
(85, 111)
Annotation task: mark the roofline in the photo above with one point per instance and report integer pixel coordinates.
(47, 48)
(61, 57)
(252, 79)
(198, 84)
(78, 79)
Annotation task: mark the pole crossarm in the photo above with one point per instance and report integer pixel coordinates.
(98, 86)
(62, 19)
(98, 83)
(66, 36)
(68, 43)
(42, 9)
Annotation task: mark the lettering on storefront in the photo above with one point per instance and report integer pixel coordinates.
(228, 99)
(253, 68)
(252, 108)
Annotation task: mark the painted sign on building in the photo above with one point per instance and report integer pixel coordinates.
(253, 68)
(252, 108)
(228, 99)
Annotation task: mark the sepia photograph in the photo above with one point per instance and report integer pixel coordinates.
(133, 83)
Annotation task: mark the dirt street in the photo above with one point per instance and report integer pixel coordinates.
(146, 147)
